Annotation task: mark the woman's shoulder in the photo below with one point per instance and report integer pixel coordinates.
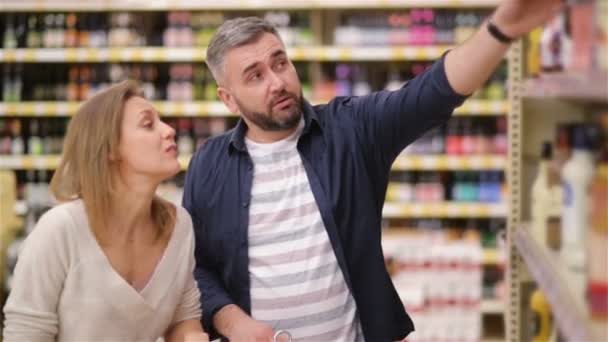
(183, 221)
(62, 216)
(55, 228)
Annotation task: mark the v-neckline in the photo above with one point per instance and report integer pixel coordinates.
(143, 294)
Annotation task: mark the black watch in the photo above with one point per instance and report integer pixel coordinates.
(497, 33)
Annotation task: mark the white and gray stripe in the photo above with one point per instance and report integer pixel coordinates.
(296, 283)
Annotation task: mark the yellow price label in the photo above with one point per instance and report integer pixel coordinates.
(71, 55)
(27, 163)
(10, 55)
(114, 55)
(345, 54)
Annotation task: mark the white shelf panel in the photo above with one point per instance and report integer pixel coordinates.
(29, 162)
(198, 54)
(444, 210)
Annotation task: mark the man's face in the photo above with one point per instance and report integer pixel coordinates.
(260, 83)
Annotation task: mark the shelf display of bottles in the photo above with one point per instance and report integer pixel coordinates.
(436, 187)
(570, 221)
(439, 277)
(567, 57)
(418, 27)
(463, 136)
(132, 29)
(35, 137)
(45, 137)
(356, 79)
(194, 82)
(415, 27)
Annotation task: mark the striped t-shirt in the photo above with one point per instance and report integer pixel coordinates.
(296, 283)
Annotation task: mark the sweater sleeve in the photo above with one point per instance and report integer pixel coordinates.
(190, 305)
(42, 266)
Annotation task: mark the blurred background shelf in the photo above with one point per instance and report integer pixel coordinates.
(205, 108)
(591, 86)
(450, 162)
(444, 210)
(198, 54)
(143, 5)
(555, 280)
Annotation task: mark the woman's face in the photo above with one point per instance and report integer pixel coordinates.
(147, 145)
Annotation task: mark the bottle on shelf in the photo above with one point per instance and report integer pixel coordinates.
(9, 40)
(343, 83)
(34, 31)
(185, 143)
(541, 316)
(34, 142)
(453, 140)
(5, 136)
(546, 196)
(501, 142)
(17, 145)
(395, 81)
(360, 87)
(597, 242)
(576, 178)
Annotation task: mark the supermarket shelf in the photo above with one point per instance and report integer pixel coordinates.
(204, 108)
(166, 108)
(198, 54)
(47, 162)
(444, 210)
(402, 163)
(570, 86)
(50, 162)
(448, 162)
(28, 162)
(143, 5)
(483, 107)
(552, 277)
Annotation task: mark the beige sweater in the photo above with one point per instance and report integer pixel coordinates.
(65, 289)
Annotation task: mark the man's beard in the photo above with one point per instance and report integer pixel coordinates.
(270, 121)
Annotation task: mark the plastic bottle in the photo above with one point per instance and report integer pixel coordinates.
(576, 177)
(546, 195)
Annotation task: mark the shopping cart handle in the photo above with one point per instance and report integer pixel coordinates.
(284, 333)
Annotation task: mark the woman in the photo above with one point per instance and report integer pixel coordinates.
(114, 262)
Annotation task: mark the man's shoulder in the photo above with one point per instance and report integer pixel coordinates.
(212, 152)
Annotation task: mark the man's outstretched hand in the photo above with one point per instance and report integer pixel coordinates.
(516, 18)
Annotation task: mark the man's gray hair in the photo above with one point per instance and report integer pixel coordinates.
(231, 34)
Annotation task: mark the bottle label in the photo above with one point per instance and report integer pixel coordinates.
(567, 194)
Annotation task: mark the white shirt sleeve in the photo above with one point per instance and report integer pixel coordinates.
(42, 266)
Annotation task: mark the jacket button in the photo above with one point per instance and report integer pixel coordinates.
(245, 204)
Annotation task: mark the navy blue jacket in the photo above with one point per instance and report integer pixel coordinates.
(347, 147)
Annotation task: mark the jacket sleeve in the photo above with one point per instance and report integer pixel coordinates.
(388, 121)
(213, 294)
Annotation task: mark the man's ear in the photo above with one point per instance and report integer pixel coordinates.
(226, 97)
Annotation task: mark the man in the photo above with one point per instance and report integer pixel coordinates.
(287, 206)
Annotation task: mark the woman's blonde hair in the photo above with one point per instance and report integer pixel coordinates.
(86, 171)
